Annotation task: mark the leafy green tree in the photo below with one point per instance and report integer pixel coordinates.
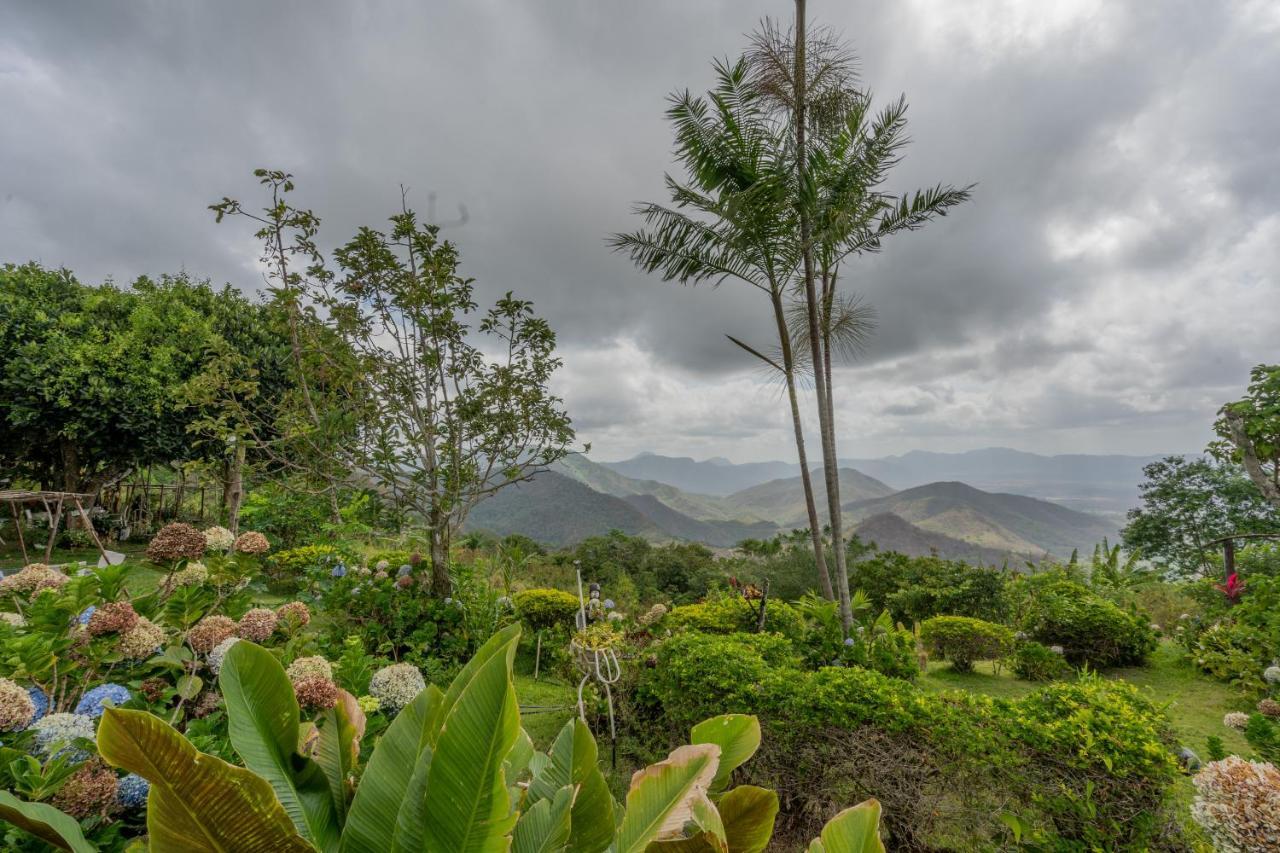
(1250, 432)
(1187, 504)
(416, 405)
(96, 380)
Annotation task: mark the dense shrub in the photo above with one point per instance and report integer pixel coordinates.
(1088, 762)
(391, 620)
(295, 563)
(1238, 643)
(1090, 629)
(1032, 661)
(875, 643)
(963, 640)
(632, 570)
(724, 614)
(545, 608)
(915, 588)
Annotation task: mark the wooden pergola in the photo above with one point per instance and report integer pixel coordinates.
(54, 504)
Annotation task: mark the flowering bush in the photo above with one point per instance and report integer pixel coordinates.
(142, 640)
(210, 631)
(219, 539)
(316, 694)
(91, 790)
(132, 790)
(308, 668)
(17, 710)
(1269, 708)
(1238, 804)
(257, 625)
(115, 617)
(293, 615)
(32, 579)
(193, 574)
(252, 542)
(218, 652)
(58, 729)
(176, 541)
(93, 701)
(1236, 720)
(396, 686)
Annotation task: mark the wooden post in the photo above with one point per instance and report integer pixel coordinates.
(17, 524)
(89, 526)
(55, 519)
(537, 657)
(1229, 557)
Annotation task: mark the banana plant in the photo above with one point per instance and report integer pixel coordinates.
(453, 772)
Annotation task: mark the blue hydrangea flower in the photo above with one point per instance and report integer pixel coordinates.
(339, 571)
(86, 615)
(404, 570)
(608, 604)
(40, 700)
(848, 641)
(132, 791)
(91, 703)
(64, 728)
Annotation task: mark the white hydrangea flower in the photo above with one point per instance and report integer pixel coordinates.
(1271, 674)
(218, 652)
(219, 538)
(396, 686)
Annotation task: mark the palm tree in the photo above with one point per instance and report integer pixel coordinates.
(841, 156)
(732, 219)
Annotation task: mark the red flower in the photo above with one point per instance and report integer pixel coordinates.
(1232, 588)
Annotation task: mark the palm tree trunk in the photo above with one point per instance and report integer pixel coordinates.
(829, 464)
(810, 503)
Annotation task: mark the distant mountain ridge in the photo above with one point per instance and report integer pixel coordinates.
(581, 498)
(889, 532)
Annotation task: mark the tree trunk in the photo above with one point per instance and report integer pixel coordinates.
(810, 503)
(233, 491)
(439, 536)
(829, 463)
(1249, 456)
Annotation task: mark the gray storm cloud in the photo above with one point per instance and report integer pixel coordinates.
(1108, 287)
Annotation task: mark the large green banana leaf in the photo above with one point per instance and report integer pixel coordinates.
(737, 735)
(198, 803)
(374, 814)
(45, 822)
(748, 813)
(854, 830)
(662, 797)
(572, 760)
(262, 722)
(467, 808)
(337, 749)
(544, 826)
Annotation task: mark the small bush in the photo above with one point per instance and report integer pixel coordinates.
(1090, 629)
(1032, 661)
(963, 640)
(540, 609)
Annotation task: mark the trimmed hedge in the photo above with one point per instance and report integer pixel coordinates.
(963, 640)
(725, 614)
(545, 608)
(1032, 661)
(1081, 764)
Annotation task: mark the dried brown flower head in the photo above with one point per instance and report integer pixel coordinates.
(210, 631)
(176, 541)
(115, 617)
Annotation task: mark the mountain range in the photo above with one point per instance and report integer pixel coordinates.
(580, 497)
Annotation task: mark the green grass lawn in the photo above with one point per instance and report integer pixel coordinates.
(547, 692)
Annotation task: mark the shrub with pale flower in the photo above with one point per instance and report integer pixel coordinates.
(653, 615)
(176, 541)
(32, 579)
(218, 652)
(63, 729)
(257, 625)
(16, 707)
(141, 641)
(1236, 720)
(219, 539)
(1271, 674)
(104, 696)
(210, 631)
(252, 542)
(13, 620)
(1238, 804)
(193, 574)
(306, 668)
(396, 686)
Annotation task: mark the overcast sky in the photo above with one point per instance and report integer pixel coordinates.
(1110, 285)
